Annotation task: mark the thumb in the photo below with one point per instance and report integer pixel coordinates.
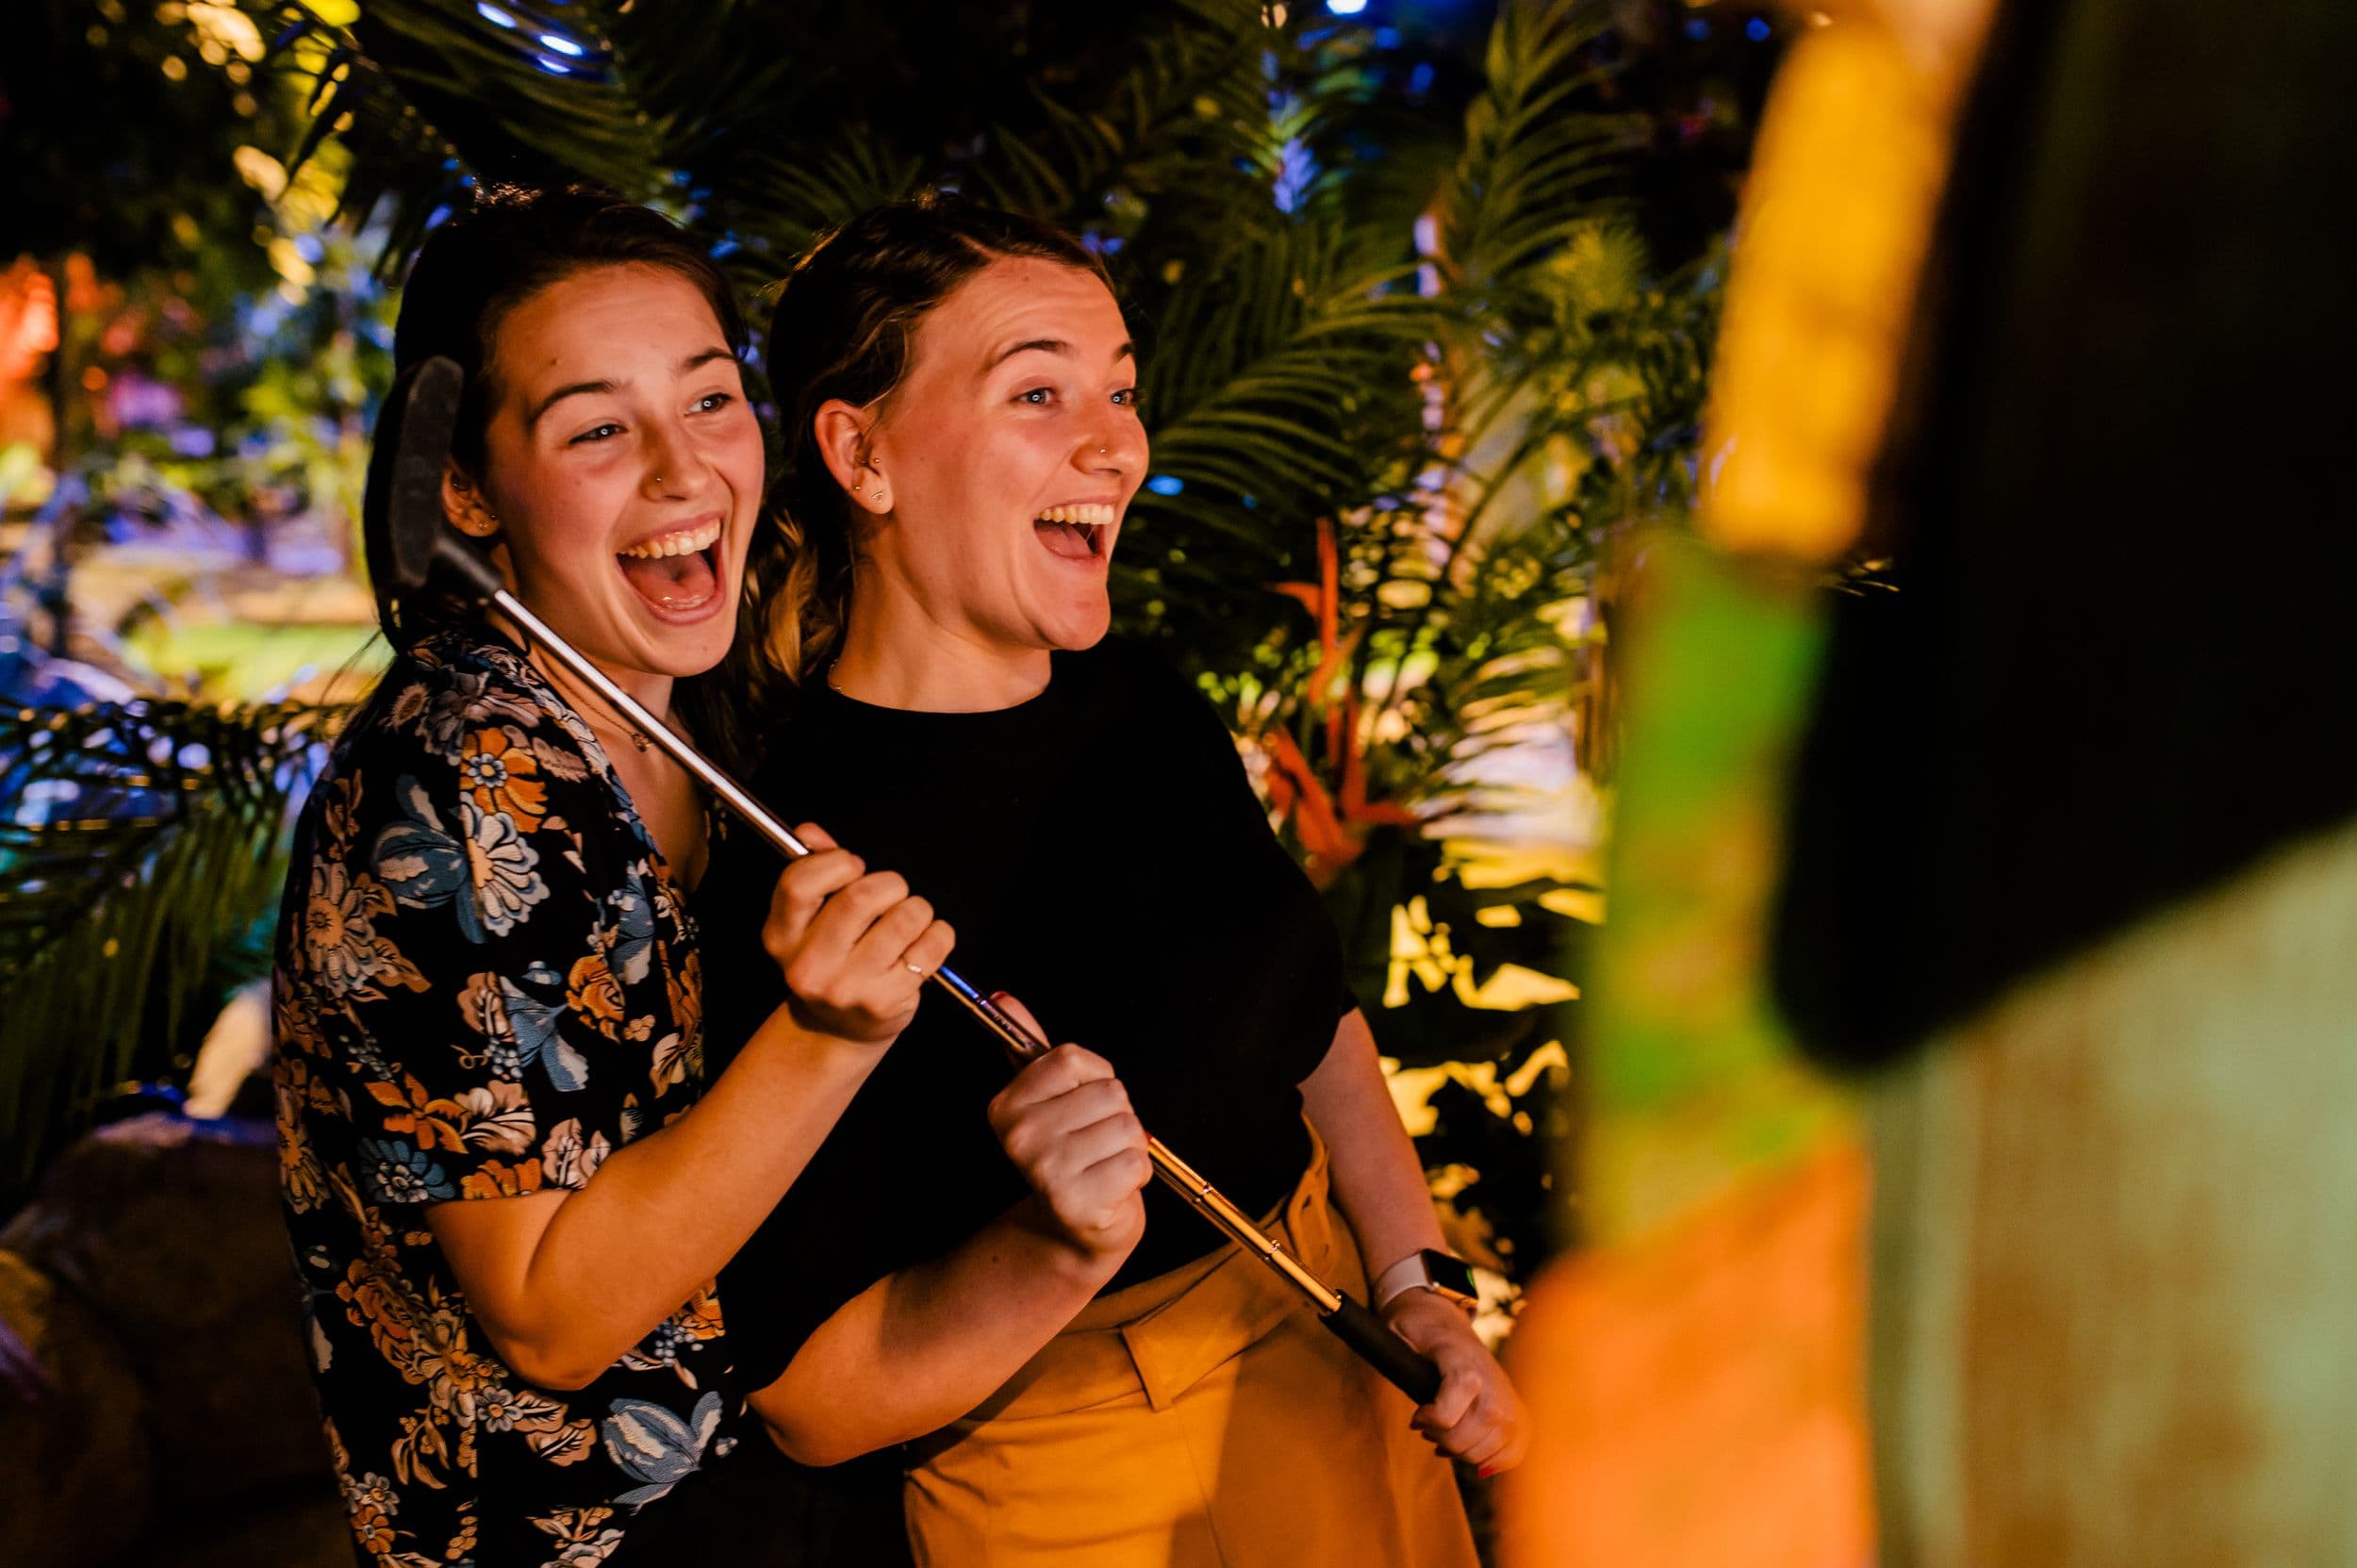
(1021, 1015)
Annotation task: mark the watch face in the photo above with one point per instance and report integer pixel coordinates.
(1452, 1275)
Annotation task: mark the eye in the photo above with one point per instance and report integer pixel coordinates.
(598, 433)
(1126, 397)
(1038, 397)
(714, 402)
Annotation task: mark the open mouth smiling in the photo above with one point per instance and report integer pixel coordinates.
(1081, 531)
(676, 571)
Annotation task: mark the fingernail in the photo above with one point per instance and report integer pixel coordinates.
(1487, 1471)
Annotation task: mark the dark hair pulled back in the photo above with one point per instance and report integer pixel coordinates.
(845, 321)
(475, 270)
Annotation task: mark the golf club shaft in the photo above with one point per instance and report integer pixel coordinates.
(1414, 1374)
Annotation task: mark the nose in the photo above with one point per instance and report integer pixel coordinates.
(675, 469)
(1116, 445)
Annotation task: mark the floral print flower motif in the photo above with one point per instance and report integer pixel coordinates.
(653, 1444)
(499, 1117)
(500, 865)
(402, 1172)
(501, 1408)
(633, 928)
(585, 1544)
(485, 873)
(570, 1159)
(339, 934)
(371, 1491)
(594, 992)
(496, 768)
(461, 701)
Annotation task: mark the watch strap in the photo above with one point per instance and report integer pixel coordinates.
(1415, 1272)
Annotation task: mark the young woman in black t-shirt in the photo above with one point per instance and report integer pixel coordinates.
(961, 443)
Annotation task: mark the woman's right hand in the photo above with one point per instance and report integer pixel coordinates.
(855, 945)
(1065, 1122)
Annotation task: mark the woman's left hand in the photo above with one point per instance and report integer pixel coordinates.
(1477, 1416)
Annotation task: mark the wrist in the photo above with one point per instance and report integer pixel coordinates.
(1428, 1273)
(787, 1036)
(1080, 1260)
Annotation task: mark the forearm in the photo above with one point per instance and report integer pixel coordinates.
(924, 1345)
(1378, 1181)
(663, 1214)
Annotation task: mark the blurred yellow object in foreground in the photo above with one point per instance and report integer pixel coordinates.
(1836, 221)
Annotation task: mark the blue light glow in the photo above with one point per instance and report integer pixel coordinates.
(1165, 484)
(553, 67)
(1697, 28)
(1345, 7)
(495, 16)
(563, 45)
(1757, 29)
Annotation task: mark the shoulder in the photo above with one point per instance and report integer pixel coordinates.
(450, 687)
(469, 717)
(464, 786)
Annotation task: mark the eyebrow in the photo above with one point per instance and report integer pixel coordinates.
(593, 388)
(1048, 345)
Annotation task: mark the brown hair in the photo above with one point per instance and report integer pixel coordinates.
(845, 320)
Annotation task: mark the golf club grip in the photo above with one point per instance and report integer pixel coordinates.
(1410, 1370)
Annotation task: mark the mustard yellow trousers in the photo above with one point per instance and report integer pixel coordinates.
(1200, 1419)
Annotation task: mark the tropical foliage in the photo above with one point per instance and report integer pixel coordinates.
(1409, 367)
(137, 875)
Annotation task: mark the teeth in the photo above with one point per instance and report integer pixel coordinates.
(1094, 514)
(685, 542)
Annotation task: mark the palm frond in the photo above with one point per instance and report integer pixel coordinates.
(1534, 162)
(428, 94)
(149, 842)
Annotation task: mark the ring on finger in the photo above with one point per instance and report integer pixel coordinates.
(916, 969)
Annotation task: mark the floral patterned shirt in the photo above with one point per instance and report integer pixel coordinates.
(485, 984)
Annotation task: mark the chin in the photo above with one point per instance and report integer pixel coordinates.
(1079, 634)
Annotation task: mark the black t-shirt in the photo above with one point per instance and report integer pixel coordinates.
(1103, 857)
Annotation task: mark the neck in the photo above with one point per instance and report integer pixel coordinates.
(895, 655)
(651, 691)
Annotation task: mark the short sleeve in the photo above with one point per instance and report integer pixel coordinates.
(478, 954)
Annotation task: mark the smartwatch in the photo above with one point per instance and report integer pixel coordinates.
(1450, 1278)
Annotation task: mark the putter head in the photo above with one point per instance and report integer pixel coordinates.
(401, 513)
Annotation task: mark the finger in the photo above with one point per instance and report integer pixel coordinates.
(807, 884)
(844, 917)
(1039, 1130)
(1125, 1171)
(1456, 1396)
(1485, 1456)
(814, 837)
(1477, 1434)
(931, 948)
(877, 952)
(1060, 1071)
(1097, 1141)
(1517, 1449)
(1020, 1014)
